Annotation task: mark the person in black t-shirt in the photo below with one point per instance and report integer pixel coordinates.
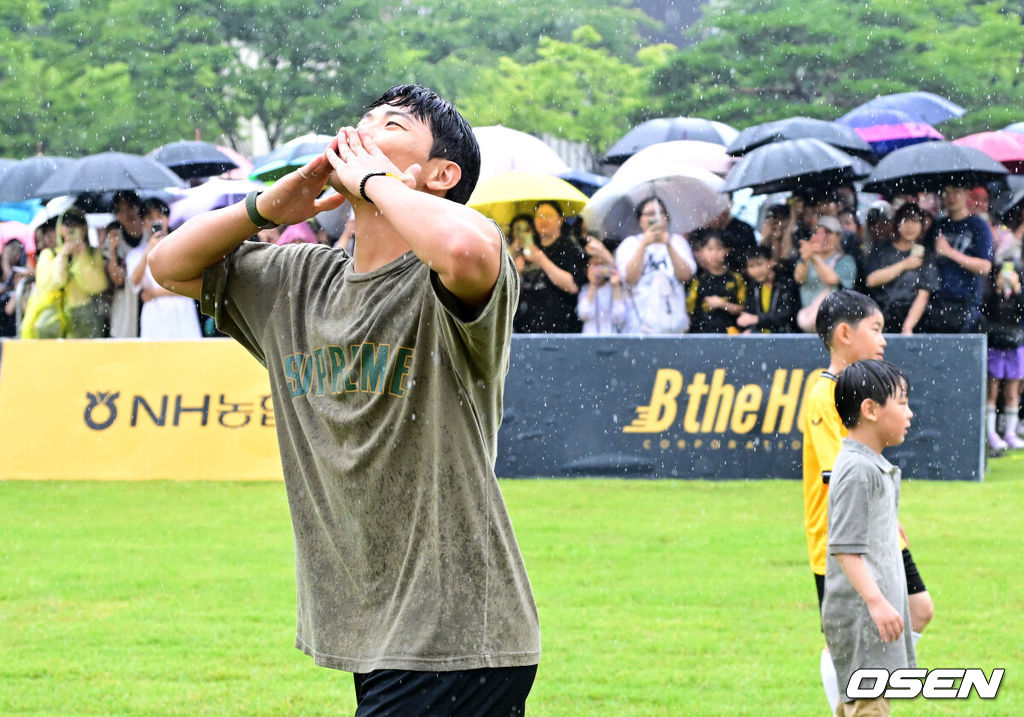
(896, 271)
(772, 298)
(552, 271)
(717, 294)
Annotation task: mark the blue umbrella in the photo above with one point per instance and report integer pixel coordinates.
(887, 129)
(288, 157)
(928, 107)
(586, 182)
(1015, 127)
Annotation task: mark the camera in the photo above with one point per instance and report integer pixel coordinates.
(156, 227)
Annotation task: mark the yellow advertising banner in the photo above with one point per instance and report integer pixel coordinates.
(135, 410)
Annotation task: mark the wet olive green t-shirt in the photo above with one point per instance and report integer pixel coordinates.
(387, 402)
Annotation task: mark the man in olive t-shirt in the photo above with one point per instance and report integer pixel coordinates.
(387, 371)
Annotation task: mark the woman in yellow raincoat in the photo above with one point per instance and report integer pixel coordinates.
(67, 300)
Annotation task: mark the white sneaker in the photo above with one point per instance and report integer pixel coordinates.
(1013, 442)
(996, 443)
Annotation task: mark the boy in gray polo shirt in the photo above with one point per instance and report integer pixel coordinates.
(866, 612)
(387, 372)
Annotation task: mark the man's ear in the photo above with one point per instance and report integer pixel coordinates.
(443, 174)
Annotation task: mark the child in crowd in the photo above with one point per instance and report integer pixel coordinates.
(866, 611)
(772, 300)
(717, 295)
(1004, 312)
(850, 326)
(601, 305)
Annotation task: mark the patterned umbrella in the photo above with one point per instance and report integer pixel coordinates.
(887, 129)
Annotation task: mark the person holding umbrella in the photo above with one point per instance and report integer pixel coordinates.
(656, 265)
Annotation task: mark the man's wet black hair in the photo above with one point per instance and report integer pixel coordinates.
(453, 137)
(871, 378)
(845, 306)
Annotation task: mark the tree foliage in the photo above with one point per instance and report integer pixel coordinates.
(820, 58)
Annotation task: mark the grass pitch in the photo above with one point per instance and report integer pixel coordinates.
(656, 597)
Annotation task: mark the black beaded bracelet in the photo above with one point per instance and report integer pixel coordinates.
(255, 217)
(362, 183)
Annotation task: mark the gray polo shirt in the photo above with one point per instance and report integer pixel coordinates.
(863, 497)
(387, 403)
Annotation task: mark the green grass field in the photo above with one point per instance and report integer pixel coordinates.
(656, 597)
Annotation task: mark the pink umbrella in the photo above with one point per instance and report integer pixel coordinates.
(1007, 148)
(19, 231)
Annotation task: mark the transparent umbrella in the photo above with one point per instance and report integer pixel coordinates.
(692, 197)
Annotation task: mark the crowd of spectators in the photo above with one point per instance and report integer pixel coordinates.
(935, 263)
(87, 281)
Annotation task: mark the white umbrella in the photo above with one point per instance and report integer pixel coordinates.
(685, 153)
(503, 150)
(692, 197)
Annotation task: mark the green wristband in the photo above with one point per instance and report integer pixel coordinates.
(255, 217)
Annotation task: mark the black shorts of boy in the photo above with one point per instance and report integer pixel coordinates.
(914, 582)
(499, 691)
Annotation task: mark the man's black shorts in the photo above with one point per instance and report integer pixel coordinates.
(500, 692)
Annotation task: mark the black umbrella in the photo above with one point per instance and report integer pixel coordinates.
(801, 128)
(668, 129)
(20, 180)
(109, 172)
(930, 166)
(792, 165)
(189, 159)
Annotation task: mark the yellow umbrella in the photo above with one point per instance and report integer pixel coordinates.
(503, 196)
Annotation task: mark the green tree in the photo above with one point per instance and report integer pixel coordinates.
(574, 90)
(777, 59)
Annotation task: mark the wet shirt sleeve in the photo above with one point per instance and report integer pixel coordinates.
(849, 512)
(240, 291)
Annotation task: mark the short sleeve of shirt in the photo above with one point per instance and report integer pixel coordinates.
(981, 247)
(848, 510)
(824, 432)
(625, 252)
(682, 247)
(131, 261)
(481, 337)
(240, 291)
(846, 268)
